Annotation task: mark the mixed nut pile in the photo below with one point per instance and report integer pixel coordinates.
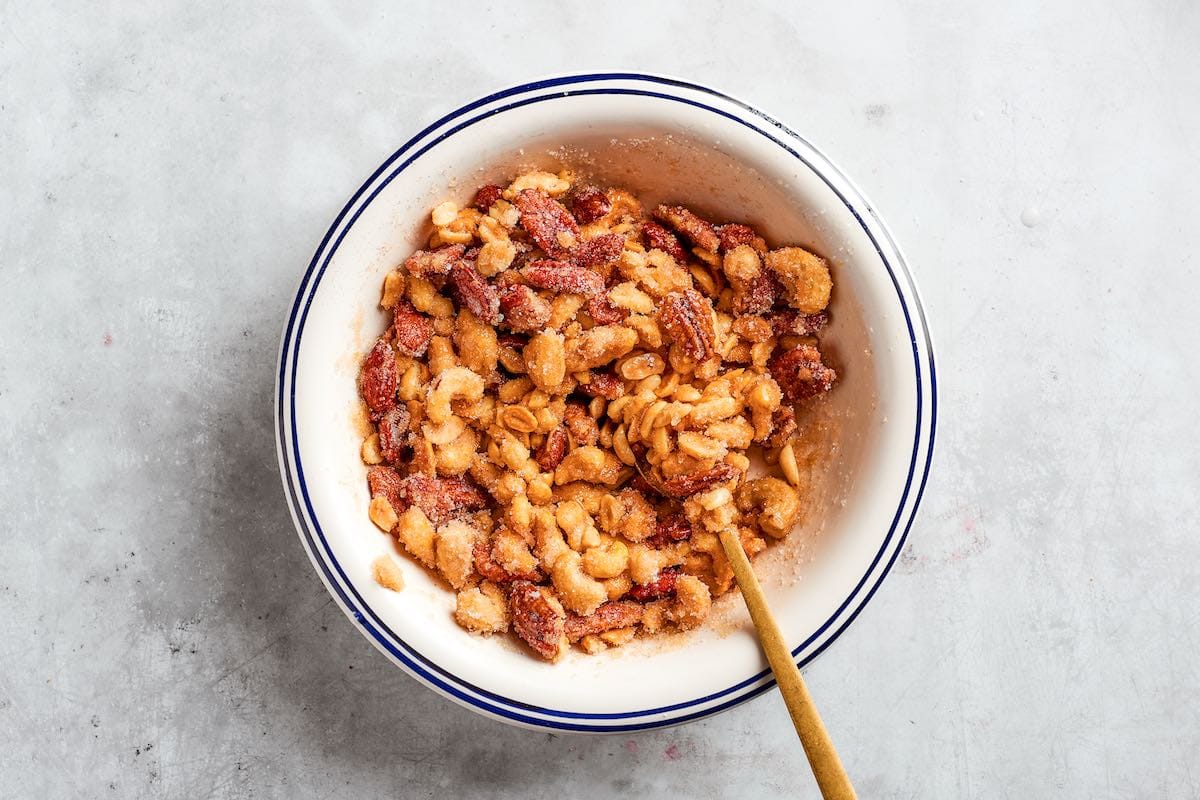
(564, 403)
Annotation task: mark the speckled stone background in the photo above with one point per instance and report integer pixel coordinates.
(167, 169)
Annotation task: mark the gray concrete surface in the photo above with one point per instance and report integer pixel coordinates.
(166, 170)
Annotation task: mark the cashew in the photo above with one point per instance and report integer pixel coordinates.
(619, 586)
(454, 383)
(644, 563)
(805, 278)
(580, 592)
(549, 544)
(607, 560)
(774, 503)
(588, 464)
(576, 524)
(425, 298)
(444, 433)
(412, 382)
(598, 346)
(441, 355)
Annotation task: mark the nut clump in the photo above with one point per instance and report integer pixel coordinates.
(564, 404)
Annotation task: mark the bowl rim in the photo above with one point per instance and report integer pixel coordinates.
(436, 676)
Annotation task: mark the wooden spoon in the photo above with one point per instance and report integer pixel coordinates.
(822, 757)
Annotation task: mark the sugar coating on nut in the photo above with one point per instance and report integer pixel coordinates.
(565, 401)
(805, 278)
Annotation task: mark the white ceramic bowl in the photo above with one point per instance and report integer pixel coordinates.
(663, 138)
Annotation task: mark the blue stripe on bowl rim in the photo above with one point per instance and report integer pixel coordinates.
(421, 667)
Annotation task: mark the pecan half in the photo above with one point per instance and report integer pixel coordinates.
(801, 373)
(603, 312)
(603, 384)
(441, 499)
(481, 554)
(589, 203)
(551, 453)
(783, 425)
(377, 381)
(687, 319)
(386, 482)
(548, 223)
(788, 323)
(580, 425)
(523, 308)
(658, 237)
(756, 296)
(616, 614)
(673, 527)
(562, 276)
(682, 486)
(536, 620)
(412, 330)
(698, 231)
(425, 263)
(474, 292)
(733, 234)
(486, 196)
(599, 251)
(662, 586)
(395, 434)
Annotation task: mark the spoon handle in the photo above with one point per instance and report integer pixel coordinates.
(822, 757)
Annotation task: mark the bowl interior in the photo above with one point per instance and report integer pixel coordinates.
(723, 171)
